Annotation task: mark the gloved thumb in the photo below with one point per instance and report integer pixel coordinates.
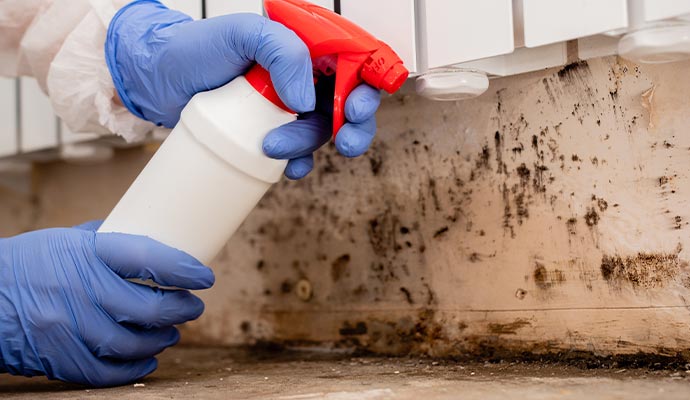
(287, 59)
(140, 257)
(90, 225)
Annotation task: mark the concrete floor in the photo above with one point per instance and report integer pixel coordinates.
(222, 373)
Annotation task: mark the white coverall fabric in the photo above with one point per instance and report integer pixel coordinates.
(61, 44)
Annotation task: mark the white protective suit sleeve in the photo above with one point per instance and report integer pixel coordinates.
(61, 44)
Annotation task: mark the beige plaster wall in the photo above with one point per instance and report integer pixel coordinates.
(550, 213)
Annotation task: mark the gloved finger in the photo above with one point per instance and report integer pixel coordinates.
(362, 103)
(90, 225)
(287, 59)
(148, 307)
(108, 373)
(299, 167)
(132, 256)
(353, 140)
(298, 138)
(107, 339)
(116, 373)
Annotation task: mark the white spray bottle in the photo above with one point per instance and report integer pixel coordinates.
(211, 172)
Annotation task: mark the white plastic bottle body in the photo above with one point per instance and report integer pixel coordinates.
(207, 176)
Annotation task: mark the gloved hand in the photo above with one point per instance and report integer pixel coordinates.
(67, 312)
(160, 58)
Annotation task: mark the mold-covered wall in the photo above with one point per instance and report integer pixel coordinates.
(551, 213)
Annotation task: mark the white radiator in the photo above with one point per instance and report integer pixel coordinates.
(497, 37)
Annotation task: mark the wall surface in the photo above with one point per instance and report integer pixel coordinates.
(549, 214)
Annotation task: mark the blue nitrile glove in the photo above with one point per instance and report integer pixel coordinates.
(297, 141)
(160, 58)
(68, 312)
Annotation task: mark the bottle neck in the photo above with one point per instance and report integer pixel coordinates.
(260, 80)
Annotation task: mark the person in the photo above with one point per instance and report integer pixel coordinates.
(67, 310)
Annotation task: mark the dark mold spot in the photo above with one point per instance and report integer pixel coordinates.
(546, 279)
(603, 205)
(375, 162)
(521, 208)
(440, 232)
(286, 287)
(382, 233)
(360, 328)
(570, 70)
(483, 160)
(328, 166)
(524, 173)
(645, 270)
(407, 294)
(246, 327)
(613, 94)
(572, 224)
(508, 329)
(591, 218)
(339, 267)
(499, 152)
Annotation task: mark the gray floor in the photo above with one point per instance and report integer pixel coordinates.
(220, 373)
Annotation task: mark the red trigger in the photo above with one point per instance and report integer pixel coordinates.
(347, 78)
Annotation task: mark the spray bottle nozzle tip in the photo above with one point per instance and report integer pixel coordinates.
(384, 70)
(394, 78)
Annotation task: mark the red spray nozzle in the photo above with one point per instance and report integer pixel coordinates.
(360, 56)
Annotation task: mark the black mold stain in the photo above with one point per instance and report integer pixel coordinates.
(498, 142)
(286, 287)
(549, 92)
(572, 70)
(383, 233)
(508, 329)
(407, 294)
(572, 226)
(521, 208)
(360, 328)
(507, 213)
(375, 164)
(483, 160)
(546, 279)
(538, 181)
(540, 277)
(644, 270)
(440, 232)
(339, 267)
(328, 167)
(434, 194)
(602, 204)
(591, 218)
(524, 173)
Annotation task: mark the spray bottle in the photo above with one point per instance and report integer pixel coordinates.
(211, 172)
